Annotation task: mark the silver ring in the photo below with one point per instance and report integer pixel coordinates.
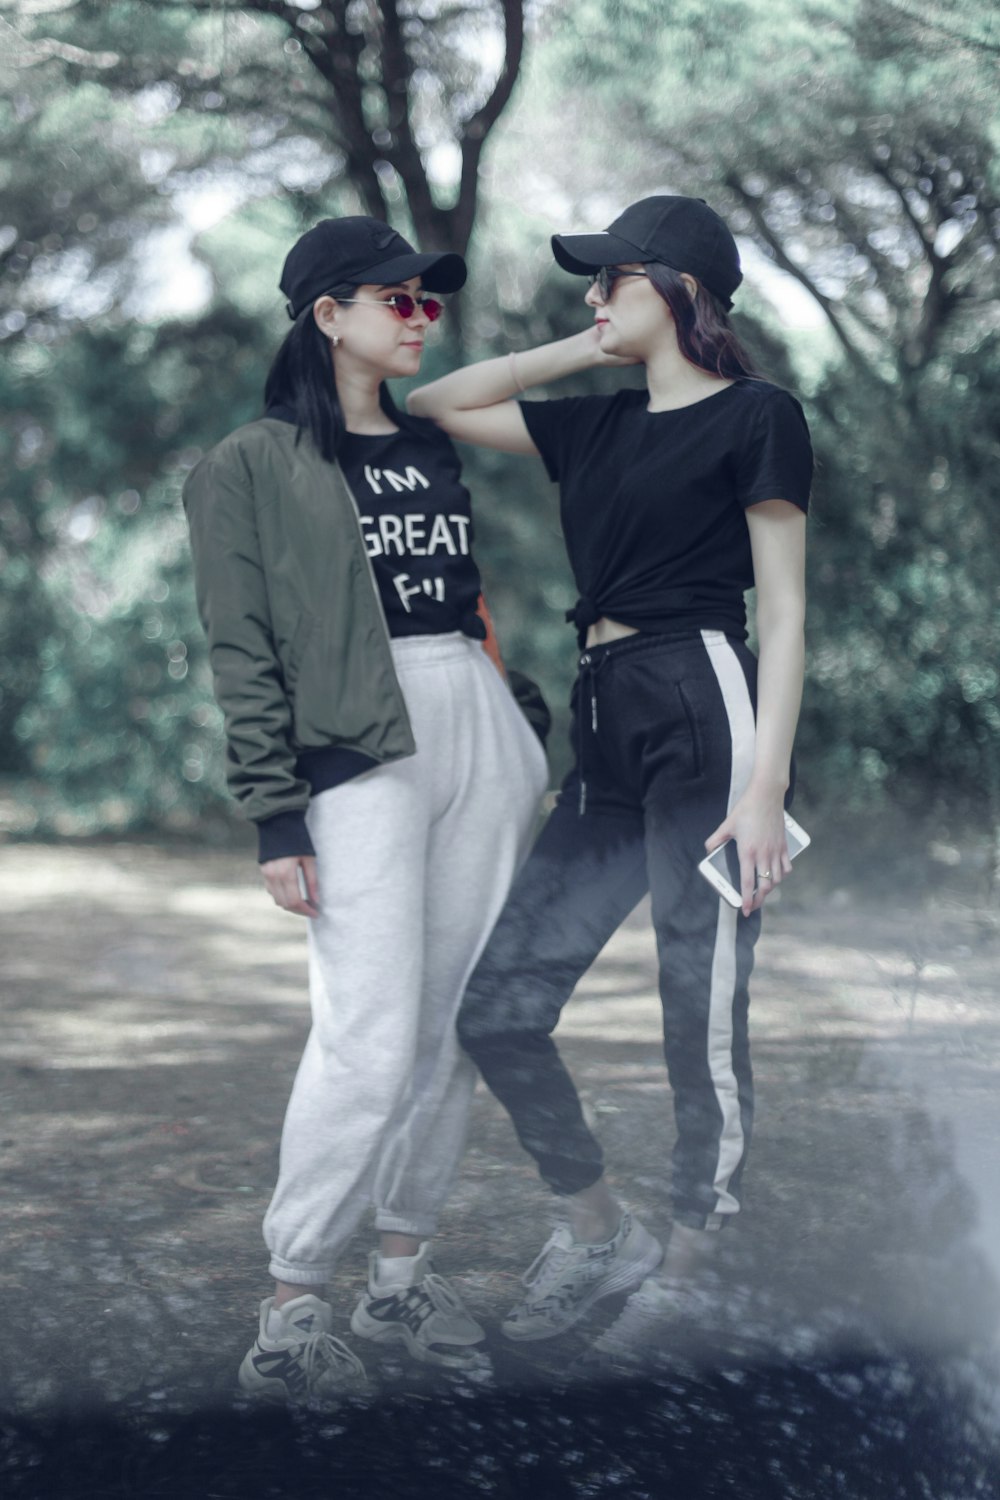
(764, 874)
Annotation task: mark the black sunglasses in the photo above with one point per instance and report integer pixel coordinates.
(605, 279)
(402, 304)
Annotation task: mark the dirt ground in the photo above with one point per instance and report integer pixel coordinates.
(154, 1011)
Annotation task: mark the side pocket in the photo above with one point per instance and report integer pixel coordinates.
(696, 746)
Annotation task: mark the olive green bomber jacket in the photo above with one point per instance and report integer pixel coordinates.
(297, 639)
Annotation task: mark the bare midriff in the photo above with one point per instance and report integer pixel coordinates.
(605, 630)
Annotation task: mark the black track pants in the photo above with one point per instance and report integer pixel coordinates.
(664, 733)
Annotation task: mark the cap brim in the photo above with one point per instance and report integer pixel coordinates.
(582, 254)
(445, 272)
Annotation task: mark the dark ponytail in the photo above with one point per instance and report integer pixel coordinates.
(704, 333)
(301, 382)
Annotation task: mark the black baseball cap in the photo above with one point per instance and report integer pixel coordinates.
(355, 250)
(683, 233)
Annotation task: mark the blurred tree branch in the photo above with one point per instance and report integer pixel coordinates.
(754, 206)
(945, 20)
(376, 49)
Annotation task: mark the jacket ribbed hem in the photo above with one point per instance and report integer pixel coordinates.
(285, 835)
(330, 765)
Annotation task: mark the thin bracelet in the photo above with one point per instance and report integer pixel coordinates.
(513, 372)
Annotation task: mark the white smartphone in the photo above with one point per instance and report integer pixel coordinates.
(721, 868)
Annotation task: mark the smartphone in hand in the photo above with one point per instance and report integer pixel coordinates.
(304, 889)
(721, 868)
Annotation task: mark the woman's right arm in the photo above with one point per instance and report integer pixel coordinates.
(477, 404)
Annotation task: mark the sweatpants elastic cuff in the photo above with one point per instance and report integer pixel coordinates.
(388, 1223)
(297, 1273)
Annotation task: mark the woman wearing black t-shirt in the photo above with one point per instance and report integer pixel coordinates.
(674, 500)
(392, 778)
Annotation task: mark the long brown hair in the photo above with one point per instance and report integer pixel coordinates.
(704, 333)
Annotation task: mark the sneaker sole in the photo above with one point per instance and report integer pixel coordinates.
(397, 1333)
(626, 1278)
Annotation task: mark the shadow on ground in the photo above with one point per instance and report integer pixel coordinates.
(849, 1429)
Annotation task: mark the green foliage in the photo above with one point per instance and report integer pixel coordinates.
(905, 621)
(115, 723)
(123, 732)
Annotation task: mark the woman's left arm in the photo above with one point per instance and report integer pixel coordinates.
(777, 540)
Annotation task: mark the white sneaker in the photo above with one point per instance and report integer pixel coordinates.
(425, 1313)
(567, 1278)
(641, 1331)
(302, 1360)
(645, 1333)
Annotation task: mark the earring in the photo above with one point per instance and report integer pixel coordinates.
(336, 340)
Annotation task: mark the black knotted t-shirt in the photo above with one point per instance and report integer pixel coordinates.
(653, 503)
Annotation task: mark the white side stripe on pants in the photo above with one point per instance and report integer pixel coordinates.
(742, 730)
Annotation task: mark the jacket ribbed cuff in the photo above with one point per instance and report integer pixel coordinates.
(283, 836)
(528, 696)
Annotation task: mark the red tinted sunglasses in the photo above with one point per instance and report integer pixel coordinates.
(403, 305)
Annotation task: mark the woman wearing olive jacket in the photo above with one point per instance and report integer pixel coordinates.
(391, 776)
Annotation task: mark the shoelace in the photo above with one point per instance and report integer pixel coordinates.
(442, 1293)
(324, 1353)
(557, 1256)
(547, 1265)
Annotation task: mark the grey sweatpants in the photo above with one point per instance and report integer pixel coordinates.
(414, 861)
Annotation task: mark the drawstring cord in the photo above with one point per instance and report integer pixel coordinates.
(589, 669)
(585, 612)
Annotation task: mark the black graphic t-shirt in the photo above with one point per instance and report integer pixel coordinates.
(416, 519)
(653, 503)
